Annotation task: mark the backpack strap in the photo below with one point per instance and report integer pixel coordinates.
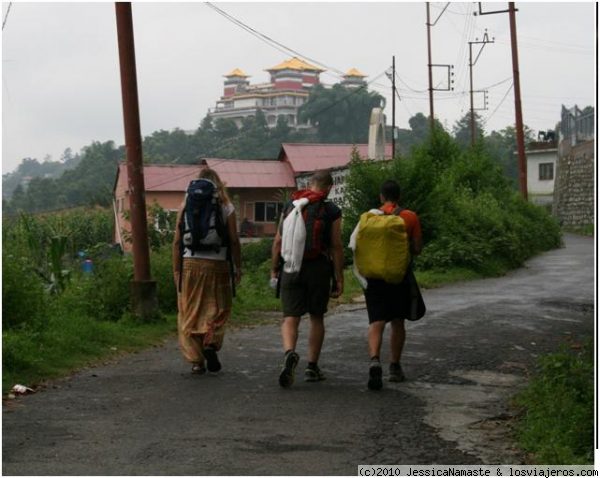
(319, 210)
(181, 226)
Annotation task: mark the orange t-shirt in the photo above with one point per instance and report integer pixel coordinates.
(413, 225)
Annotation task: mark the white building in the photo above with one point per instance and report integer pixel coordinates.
(541, 171)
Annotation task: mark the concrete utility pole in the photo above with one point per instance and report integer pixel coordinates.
(143, 289)
(517, 87)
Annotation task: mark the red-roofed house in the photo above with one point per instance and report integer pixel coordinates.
(308, 157)
(254, 186)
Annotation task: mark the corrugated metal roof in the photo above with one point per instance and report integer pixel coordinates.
(305, 157)
(234, 173)
(238, 173)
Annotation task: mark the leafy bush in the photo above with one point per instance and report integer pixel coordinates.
(558, 424)
(102, 295)
(23, 295)
(162, 272)
(255, 253)
(469, 214)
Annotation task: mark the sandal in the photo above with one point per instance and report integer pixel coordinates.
(198, 369)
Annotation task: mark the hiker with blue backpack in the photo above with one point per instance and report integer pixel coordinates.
(307, 264)
(384, 243)
(206, 269)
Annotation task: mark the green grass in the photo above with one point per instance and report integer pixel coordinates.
(69, 342)
(254, 296)
(587, 230)
(557, 423)
(437, 278)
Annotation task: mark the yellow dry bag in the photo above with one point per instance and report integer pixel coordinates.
(382, 247)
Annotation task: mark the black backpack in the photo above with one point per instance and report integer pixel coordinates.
(202, 227)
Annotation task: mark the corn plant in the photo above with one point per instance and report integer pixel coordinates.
(46, 251)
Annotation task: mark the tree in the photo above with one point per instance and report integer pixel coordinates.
(341, 115)
(462, 129)
(501, 146)
(587, 109)
(253, 137)
(224, 129)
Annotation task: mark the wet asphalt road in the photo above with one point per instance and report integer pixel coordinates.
(472, 351)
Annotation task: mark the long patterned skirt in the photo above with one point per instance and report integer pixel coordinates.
(204, 306)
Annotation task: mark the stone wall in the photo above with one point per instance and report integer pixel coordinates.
(573, 203)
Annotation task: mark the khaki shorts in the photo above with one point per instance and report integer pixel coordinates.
(307, 291)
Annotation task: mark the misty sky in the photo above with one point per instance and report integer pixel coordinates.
(60, 70)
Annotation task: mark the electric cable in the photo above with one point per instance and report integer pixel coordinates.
(274, 43)
(6, 15)
(499, 104)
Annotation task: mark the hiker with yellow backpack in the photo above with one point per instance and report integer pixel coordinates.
(384, 243)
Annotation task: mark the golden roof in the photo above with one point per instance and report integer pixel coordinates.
(295, 63)
(355, 72)
(236, 72)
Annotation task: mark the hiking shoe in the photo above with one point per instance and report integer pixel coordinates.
(212, 360)
(313, 374)
(375, 374)
(286, 377)
(396, 373)
(198, 369)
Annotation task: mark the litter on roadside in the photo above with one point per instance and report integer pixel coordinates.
(21, 389)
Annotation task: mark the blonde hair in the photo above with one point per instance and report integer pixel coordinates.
(211, 174)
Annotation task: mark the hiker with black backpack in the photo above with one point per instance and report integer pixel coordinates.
(307, 262)
(384, 243)
(206, 268)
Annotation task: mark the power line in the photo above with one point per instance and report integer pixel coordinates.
(452, 11)
(6, 16)
(270, 41)
(409, 87)
(499, 104)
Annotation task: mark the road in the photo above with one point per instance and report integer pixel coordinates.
(146, 415)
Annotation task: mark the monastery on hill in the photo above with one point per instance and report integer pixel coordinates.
(288, 89)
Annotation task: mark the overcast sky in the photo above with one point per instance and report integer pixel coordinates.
(60, 70)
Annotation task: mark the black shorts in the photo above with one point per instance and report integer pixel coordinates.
(307, 290)
(388, 302)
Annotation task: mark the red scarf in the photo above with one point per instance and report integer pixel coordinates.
(312, 196)
(389, 208)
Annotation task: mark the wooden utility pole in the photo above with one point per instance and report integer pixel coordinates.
(393, 107)
(517, 88)
(518, 111)
(143, 289)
